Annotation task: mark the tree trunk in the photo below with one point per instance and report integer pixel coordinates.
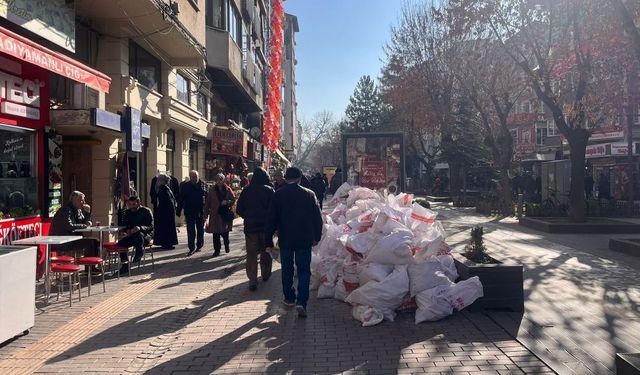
(577, 140)
(505, 191)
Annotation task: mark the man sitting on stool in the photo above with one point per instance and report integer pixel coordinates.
(138, 222)
(76, 214)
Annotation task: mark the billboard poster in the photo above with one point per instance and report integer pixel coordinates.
(374, 160)
(53, 20)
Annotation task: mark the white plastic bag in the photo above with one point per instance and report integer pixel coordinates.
(395, 248)
(341, 192)
(325, 291)
(421, 218)
(362, 242)
(340, 292)
(430, 308)
(367, 315)
(385, 295)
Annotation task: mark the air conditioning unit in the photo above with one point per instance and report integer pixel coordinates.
(84, 97)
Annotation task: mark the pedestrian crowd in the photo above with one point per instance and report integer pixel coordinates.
(282, 212)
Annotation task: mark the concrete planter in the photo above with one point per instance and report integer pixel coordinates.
(501, 282)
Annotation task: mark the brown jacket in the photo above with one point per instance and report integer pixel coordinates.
(211, 206)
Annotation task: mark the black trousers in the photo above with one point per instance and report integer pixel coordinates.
(136, 240)
(195, 227)
(216, 241)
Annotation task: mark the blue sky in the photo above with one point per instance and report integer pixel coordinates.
(339, 41)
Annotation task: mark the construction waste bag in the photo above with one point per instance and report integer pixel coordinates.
(384, 254)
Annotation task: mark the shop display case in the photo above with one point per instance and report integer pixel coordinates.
(17, 290)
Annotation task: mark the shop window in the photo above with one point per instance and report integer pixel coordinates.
(183, 86)
(552, 129)
(144, 67)
(18, 180)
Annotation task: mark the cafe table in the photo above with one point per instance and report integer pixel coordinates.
(47, 241)
(101, 230)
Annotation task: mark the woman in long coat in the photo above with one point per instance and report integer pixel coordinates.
(219, 195)
(165, 216)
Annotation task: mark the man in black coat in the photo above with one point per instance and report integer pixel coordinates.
(253, 207)
(138, 223)
(76, 214)
(295, 214)
(319, 187)
(191, 200)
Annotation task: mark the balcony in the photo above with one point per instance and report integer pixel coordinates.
(180, 114)
(163, 33)
(248, 10)
(225, 65)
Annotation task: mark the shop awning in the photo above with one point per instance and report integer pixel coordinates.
(26, 50)
(282, 157)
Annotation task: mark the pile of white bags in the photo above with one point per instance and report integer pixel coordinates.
(387, 254)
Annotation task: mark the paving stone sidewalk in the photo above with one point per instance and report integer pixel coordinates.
(581, 299)
(196, 316)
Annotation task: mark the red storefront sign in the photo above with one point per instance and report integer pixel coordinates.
(13, 230)
(230, 142)
(24, 49)
(373, 174)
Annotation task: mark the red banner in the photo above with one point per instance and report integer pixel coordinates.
(229, 142)
(19, 47)
(373, 174)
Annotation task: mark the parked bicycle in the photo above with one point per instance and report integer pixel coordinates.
(552, 206)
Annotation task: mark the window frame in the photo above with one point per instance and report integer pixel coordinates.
(134, 66)
(182, 95)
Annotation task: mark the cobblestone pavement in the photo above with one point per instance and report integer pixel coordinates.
(581, 299)
(196, 315)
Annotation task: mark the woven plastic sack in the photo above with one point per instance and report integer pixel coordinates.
(373, 271)
(428, 275)
(439, 302)
(367, 315)
(361, 193)
(342, 192)
(385, 295)
(421, 218)
(395, 248)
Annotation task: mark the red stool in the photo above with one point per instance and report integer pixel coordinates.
(90, 262)
(62, 259)
(116, 251)
(74, 273)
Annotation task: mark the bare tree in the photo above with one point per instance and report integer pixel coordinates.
(313, 132)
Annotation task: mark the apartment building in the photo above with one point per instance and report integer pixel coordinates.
(155, 114)
(236, 41)
(290, 126)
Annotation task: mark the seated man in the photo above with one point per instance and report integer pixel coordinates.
(138, 222)
(76, 214)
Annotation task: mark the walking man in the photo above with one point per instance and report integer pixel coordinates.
(253, 207)
(192, 196)
(319, 187)
(295, 214)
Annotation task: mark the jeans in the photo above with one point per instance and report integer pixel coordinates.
(216, 242)
(136, 240)
(255, 246)
(195, 225)
(302, 259)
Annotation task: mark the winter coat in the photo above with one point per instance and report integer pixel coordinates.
(141, 218)
(165, 218)
(336, 181)
(253, 203)
(295, 213)
(68, 219)
(192, 197)
(211, 206)
(319, 187)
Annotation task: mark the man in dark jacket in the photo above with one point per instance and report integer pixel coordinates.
(191, 200)
(336, 181)
(319, 187)
(138, 223)
(76, 214)
(295, 214)
(253, 207)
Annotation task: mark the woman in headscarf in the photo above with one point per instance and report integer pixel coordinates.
(217, 206)
(165, 216)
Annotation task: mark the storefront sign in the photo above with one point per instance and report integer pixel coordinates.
(53, 20)
(607, 133)
(145, 130)
(132, 129)
(13, 230)
(594, 151)
(229, 142)
(105, 119)
(20, 96)
(374, 174)
(619, 149)
(23, 49)
(329, 171)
